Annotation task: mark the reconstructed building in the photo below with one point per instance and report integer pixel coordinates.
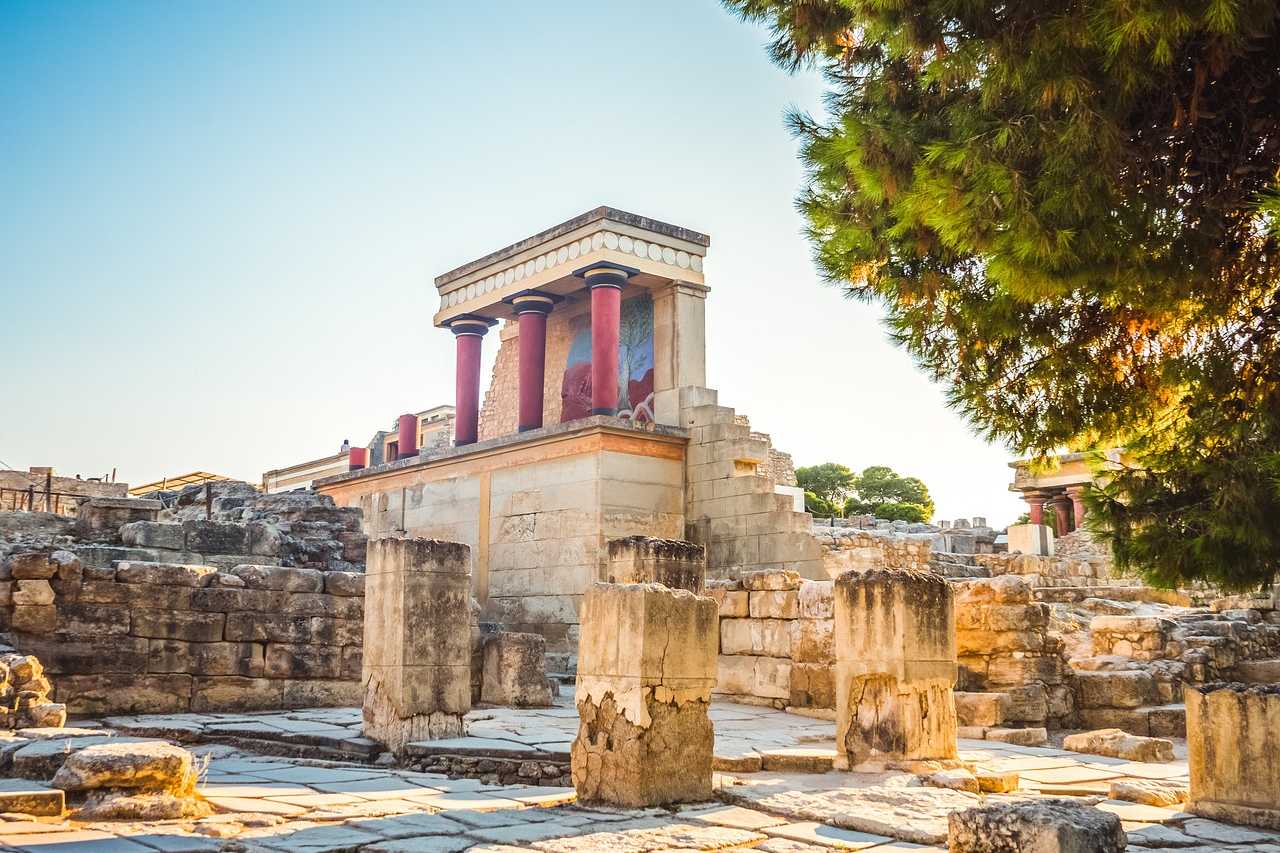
(597, 424)
(1055, 496)
(431, 429)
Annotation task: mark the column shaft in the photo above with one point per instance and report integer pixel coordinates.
(606, 315)
(532, 308)
(407, 436)
(469, 332)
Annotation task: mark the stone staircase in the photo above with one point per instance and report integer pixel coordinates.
(732, 508)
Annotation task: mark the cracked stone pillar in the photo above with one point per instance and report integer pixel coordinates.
(671, 562)
(895, 646)
(416, 670)
(1233, 738)
(646, 666)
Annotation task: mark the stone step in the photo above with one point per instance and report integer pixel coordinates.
(1259, 671)
(1147, 720)
(26, 797)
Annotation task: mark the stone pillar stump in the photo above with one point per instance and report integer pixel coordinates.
(1233, 745)
(646, 666)
(416, 672)
(895, 647)
(671, 562)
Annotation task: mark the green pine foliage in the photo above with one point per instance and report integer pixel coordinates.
(1071, 213)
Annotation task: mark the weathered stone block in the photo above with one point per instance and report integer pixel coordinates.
(417, 648)
(151, 534)
(1122, 689)
(1043, 825)
(34, 619)
(895, 664)
(813, 641)
(774, 604)
(771, 580)
(236, 693)
(216, 537)
(1233, 738)
(647, 663)
(1117, 744)
(101, 518)
(164, 574)
(205, 658)
(670, 562)
(283, 578)
(812, 686)
(31, 565)
(321, 693)
(770, 637)
(284, 660)
(816, 600)
(221, 599)
(514, 670)
(734, 604)
(32, 593)
(177, 625)
(344, 583)
(979, 709)
(117, 693)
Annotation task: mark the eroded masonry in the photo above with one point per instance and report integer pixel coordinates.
(524, 621)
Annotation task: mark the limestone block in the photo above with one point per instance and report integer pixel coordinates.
(816, 600)
(895, 664)
(1034, 539)
(1026, 704)
(734, 603)
(416, 668)
(1149, 792)
(125, 693)
(151, 534)
(1043, 825)
(1117, 744)
(774, 604)
(32, 592)
(164, 574)
(771, 637)
(813, 641)
(979, 709)
(670, 562)
(1124, 689)
(34, 619)
(235, 693)
(1233, 738)
(514, 670)
(205, 658)
(31, 565)
(812, 686)
(177, 625)
(646, 667)
(771, 580)
(150, 766)
(216, 537)
(310, 660)
(1035, 736)
(344, 583)
(101, 518)
(283, 578)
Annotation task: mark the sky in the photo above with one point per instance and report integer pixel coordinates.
(220, 223)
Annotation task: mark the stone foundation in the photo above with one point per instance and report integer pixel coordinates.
(1233, 739)
(895, 664)
(646, 667)
(416, 675)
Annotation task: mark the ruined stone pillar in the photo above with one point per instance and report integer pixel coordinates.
(407, 436)
(1035, 506)
(469, 331)
(895, 647)
(646, 666)
(605, 281)
(532, 308)
(416, 671)
(1233, 738)
(1076, 494)
(670, 562)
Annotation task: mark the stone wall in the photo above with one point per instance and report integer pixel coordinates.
(776, 640)
(1056, 571)
(1003, 646)
(849, 549)
(14, 486)
(139, 637)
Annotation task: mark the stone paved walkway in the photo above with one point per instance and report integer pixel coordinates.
(267, 804)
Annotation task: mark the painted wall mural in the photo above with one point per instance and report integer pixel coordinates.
(635, 365)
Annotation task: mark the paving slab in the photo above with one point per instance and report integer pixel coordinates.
(812, 832)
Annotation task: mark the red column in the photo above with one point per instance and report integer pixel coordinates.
(532, 308)
(407, 436)
(1076, 493)
(1035, 506)
(605, 282)
(469, 331)
(1060, 504)
(357, 458)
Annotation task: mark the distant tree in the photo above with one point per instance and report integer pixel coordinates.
(882, 492)
(820, 507)
(829, 481)
(1070, 213)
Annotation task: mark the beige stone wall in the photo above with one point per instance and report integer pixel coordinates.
(776, 640)
(14, 486)
(161, 638)
(538, 517)
(1053, 571)
(846, 549)
(1233, 738)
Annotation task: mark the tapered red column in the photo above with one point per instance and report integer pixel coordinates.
(531, 309)
(1061, 507)
(605, 282)
(1035, 506)
(469, 332)
(1076, 493)
(407, 436)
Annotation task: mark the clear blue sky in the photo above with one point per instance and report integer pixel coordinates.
(219, 223)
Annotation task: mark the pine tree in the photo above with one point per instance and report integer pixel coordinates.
(1071, 214)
